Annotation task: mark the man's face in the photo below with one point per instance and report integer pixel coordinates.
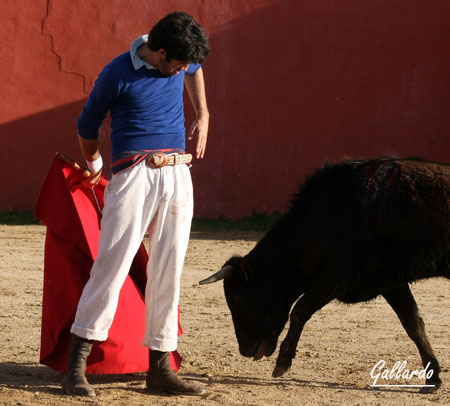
(172, 67)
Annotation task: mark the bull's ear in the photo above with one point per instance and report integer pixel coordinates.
(225, 272)
(248, 273)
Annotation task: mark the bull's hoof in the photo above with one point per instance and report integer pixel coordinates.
(430, 389)
(279, 371)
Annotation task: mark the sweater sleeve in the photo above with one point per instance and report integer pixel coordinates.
(193, 67)
(102, 97)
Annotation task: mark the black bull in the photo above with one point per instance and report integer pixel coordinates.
(354, 230)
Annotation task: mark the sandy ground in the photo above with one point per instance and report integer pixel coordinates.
(338, 349)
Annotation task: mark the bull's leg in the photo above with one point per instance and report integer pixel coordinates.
(314, 299)
(404, 305)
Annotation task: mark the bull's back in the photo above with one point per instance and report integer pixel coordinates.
(375, 224)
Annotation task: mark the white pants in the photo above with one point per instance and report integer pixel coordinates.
(138, 199)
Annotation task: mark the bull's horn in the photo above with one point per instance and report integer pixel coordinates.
(225, 272)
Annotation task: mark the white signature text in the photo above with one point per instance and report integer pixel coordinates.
(398, 371)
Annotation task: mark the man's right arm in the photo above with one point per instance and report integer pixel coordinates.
(91, 153)
(102, 97)
(89, 148)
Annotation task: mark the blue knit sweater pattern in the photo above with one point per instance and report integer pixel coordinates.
(146, 108)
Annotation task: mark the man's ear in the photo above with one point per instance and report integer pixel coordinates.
(162, 53)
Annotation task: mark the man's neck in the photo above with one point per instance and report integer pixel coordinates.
(147, 55)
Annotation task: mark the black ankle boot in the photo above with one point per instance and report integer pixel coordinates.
(75, 382)
(161, 378)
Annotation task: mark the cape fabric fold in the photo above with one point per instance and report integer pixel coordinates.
(72, 215)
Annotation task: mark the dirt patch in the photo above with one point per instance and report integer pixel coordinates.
(338, 349)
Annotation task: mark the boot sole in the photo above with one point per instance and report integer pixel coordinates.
(171, 392)
(76, 393)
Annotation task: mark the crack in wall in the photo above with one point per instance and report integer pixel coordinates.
(53, 50)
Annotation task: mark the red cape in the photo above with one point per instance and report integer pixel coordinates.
(72, 217)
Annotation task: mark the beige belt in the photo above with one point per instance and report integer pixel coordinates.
(159, 159)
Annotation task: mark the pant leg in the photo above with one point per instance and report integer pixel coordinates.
(169, 237)
(131, 199)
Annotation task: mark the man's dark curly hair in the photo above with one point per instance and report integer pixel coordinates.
(181, 37)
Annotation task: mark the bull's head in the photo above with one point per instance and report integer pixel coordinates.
(258, 316)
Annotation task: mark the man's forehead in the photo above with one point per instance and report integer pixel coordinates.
(178, 62)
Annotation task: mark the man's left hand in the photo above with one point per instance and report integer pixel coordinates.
(199, 129)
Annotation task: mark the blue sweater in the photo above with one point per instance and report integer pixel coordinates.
(146, 108)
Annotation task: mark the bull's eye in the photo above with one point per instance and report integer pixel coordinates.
(236, 299)
(233, 299)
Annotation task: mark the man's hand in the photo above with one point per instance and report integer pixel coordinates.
(89, 149)
(92, 180)
(195, 86)
(199, 129)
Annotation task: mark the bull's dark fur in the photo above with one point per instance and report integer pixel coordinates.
(354, 230)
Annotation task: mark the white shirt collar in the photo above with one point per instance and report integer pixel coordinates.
(138, 62)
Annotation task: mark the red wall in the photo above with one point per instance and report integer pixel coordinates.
(290, 84)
